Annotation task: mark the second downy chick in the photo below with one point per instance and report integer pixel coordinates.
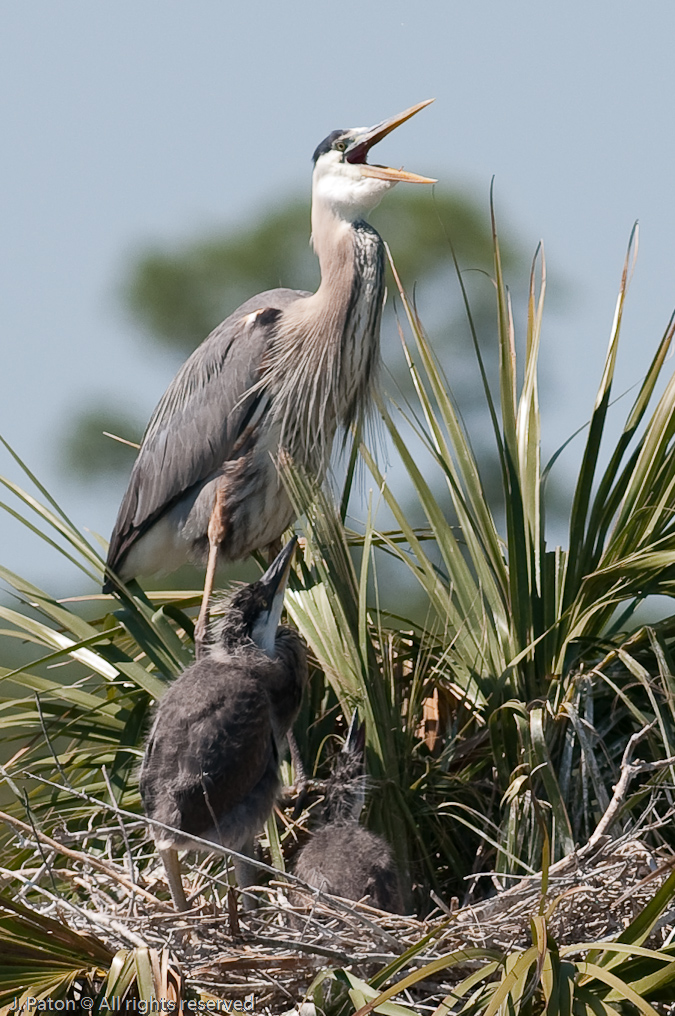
(343, 858)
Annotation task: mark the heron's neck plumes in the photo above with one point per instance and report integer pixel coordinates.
(328, 345)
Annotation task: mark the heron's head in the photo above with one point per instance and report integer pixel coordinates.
(253, 612)
(345, 181)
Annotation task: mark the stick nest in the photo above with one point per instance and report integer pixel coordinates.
(277, 950)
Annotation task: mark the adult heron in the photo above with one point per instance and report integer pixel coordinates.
(279, 375)
(211, 763)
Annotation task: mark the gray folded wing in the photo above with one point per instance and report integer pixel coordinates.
(201, 416)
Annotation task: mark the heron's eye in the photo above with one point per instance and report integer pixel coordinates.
(341, 146)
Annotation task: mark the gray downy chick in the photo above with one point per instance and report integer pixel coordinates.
(211, 764)
(343, 858)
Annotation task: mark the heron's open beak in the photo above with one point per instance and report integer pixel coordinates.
(358, 152)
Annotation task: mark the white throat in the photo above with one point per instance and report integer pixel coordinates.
(341, 188)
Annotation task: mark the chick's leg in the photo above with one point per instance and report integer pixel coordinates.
(171, 864)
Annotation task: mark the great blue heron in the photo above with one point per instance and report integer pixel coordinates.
(342, 857)
(281, 373)
(211, 764)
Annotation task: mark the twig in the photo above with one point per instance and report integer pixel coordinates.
(48, 740)
(334, 954)
(628, 771)
(36, 874)
(94, 917)
(348, 908)
(277, 984)
(202, 844)
(46, 863)
(662, 869)
(77, 855)
(130, 856)
(120, 929)
(198, 841)
(75, 836)
(435, 898)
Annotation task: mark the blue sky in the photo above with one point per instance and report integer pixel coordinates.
(129, 122)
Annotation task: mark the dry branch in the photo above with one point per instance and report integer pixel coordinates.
(77, 855)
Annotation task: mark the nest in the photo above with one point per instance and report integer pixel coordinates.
(590, 896)
(276, 951)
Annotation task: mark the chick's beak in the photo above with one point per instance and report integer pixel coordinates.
(355, 741)
(276, 576)
(359, 150)
(274, 582)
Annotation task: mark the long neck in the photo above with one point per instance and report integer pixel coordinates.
(327, 350)
(350, 256)
(333, 241)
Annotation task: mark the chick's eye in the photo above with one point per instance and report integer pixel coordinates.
(341, 146)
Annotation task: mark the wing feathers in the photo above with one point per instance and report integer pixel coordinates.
(201, 416)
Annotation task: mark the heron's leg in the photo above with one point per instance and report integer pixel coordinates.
(296, 759)
(173, 876)
(298, 765)
(246, 875)
(273, 549)
(216, 534)
(301, 781)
